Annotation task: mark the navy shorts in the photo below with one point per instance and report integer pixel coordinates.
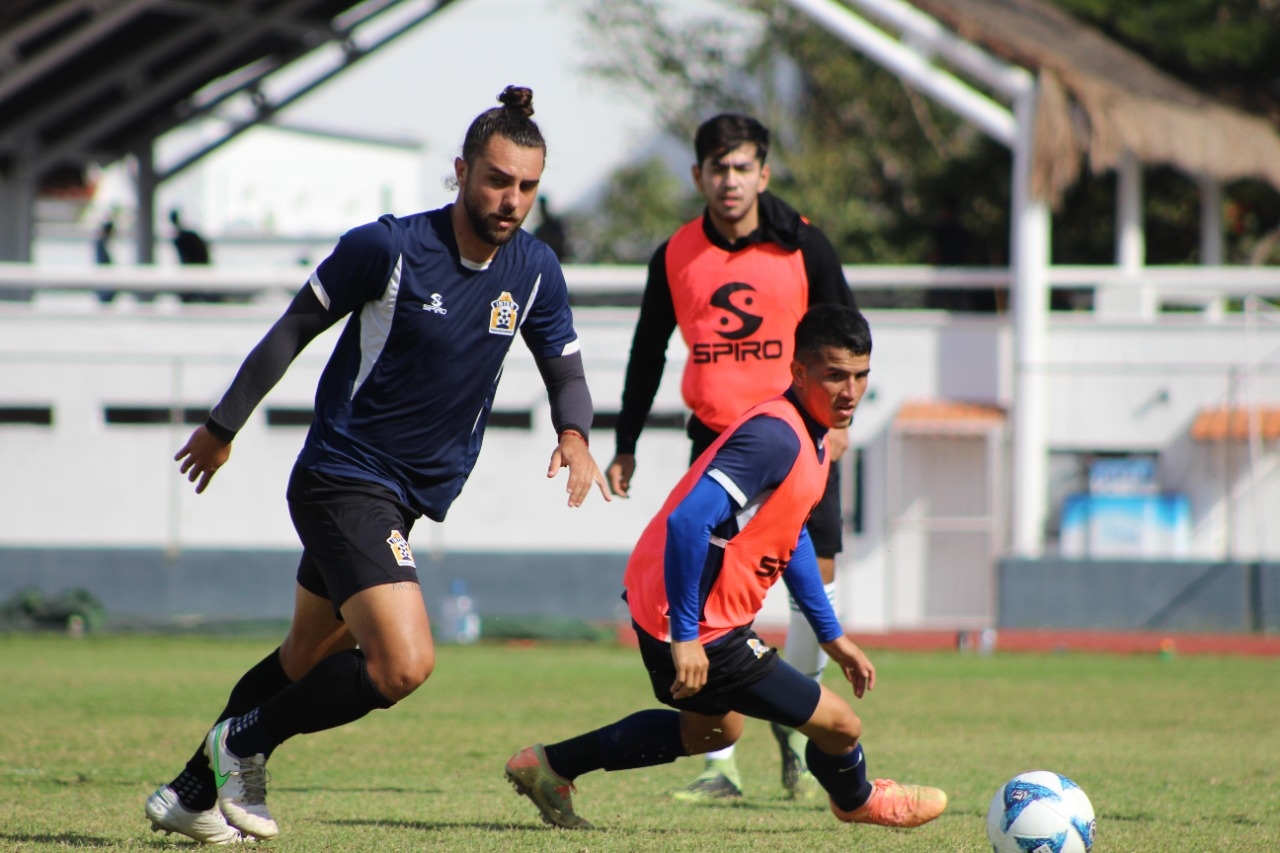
(826, 528)
(743, 675)
(354, 535)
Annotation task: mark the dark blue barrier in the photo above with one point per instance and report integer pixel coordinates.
(1139, 595)
(142, 585)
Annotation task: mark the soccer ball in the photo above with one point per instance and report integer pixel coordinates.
(1040, 812)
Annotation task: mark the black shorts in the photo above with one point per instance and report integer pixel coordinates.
(826, 528)
(743, 675)
(354, 535)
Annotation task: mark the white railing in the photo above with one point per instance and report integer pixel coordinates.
(1183, 285)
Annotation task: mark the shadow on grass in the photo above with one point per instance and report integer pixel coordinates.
(436, 825)
(497, 826)
(62, 839)
(335, 789)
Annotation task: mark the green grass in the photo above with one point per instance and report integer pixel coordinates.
(1177, 755)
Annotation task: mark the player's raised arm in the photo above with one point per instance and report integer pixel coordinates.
(209, 446)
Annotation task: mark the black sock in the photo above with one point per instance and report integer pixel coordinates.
(246, 736)
(843, 776)
(336, 691)
(643, 739)
(194, 785)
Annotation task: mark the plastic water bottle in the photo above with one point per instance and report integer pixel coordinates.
(461, 622)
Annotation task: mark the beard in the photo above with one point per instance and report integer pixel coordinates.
(485, 224)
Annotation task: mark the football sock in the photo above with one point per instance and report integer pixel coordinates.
(194, 785)
(336, 691)
(843, 776)
(246, 736)
(802, 650)
(643, 739)
(725, 754)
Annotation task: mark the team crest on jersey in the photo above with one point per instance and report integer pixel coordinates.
(757, 647)
(400, 549)
(505, 316)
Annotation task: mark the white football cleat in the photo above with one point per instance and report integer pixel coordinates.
(168, 815)
(242, 785)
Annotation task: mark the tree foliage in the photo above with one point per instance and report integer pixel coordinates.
(644, 203)
(874, 163)
(859, 154)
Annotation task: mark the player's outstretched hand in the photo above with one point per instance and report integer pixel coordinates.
(857, 667)
(572, 453)
(201, 457)
(691, 665)
(619, 473)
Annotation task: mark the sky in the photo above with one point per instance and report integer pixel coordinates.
(432, 82)
(426, 87)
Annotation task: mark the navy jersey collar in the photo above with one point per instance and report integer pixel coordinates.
(815, 429)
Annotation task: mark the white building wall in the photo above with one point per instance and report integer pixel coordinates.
(83, 483)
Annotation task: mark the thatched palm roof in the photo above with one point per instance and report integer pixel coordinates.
(1098, 98)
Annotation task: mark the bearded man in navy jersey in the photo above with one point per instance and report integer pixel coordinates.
(432, 304)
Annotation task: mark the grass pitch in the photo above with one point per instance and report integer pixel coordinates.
(1177, 755)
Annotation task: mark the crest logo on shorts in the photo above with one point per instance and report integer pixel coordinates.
(758, 647)
(505, 316)
(400, 549)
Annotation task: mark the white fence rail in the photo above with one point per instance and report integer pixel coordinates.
(1153, 288)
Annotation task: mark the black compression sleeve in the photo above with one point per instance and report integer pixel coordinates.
(648, 354)
(567, 390)
(304, 319)
(827, 284)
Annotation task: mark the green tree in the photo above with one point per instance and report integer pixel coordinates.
(854, 150)
(874, 163)
(1230, 50)
(643, 203)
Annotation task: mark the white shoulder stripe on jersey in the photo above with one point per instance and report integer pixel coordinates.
(533, 297)
(375, 326)
(318, 289)
(729, 486)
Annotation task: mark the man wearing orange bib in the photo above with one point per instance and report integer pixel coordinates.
(736, 281)
(731, 528)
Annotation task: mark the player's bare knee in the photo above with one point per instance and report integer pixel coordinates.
(836, 734)
(397, 678)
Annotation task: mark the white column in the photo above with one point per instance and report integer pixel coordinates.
(1133, 298)
(1211, 251)
(1029, 242)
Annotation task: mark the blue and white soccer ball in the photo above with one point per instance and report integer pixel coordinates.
(1040, 812)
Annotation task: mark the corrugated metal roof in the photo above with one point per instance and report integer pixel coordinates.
(88, 81)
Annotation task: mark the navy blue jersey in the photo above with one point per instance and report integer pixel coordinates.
(405, 396)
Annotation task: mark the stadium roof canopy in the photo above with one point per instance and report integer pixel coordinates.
(90, 81)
